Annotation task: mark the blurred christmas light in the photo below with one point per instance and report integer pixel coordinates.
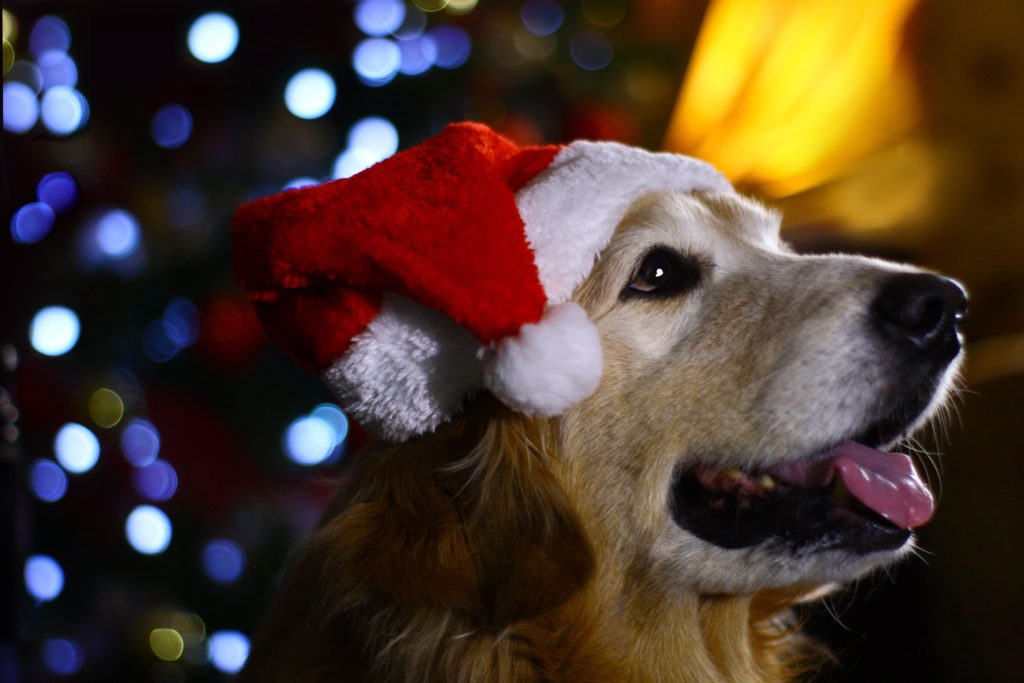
(352, 161)
(431, 5)
(106, 408)
(54, 331)
(157, 481)
(166, 643)
(77, 449)
(300, 182)
(161, 341)
(309, 440)
(461, 6)
(414, 25)
(213, 37)
(8, 56)
(49, 33)
(335, 418)
(604, 13)
(310, 93)
(148, 530)
(453, 46)
(21, 108)
(375, 136)
(117, 233)
(57, 68)
(379, 17)
(417, 55)
(62, 656)
(183, 316)
(47, 481)
(376, 61)
(32, 222)
(63, 110)
(44, 578)
(140, 442)
(591, 51)
(171, 126)
(10, 26)
(57, 190)
(223, 561)
(541, 17)
(228, 650)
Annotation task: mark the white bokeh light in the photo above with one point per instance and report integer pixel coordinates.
(228, 650)
(63, 110)
(148, 530)
(352, 161)
(375, 136)
(309, 440)
(44, 578)
(117, 233)
(310, 93)
(21, 108)
(54, 331)
(77, 449)
(376, 60)
(213, 37)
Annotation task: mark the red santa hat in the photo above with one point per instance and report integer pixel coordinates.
(447, 269)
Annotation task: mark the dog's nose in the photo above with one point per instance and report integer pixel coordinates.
(923, 310)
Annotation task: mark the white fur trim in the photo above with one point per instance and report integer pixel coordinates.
(549, 366)
(408, 372)
(572, 208)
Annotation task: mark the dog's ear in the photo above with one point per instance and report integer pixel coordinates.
(469, 518)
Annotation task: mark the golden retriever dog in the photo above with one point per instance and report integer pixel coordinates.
(729, 465)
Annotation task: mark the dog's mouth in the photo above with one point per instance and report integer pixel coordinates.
(851, 497)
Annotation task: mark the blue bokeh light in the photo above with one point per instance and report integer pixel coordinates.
(54, 331)
(21, 108)
(117, 234)
(32, 222)
(542, 17)
(44, 578)
(47, 481)
(183, 316)
(77, 449)
(374, 136)
(591, 51)
(228, 650)
(213, 37)
(376, 60)
(414, 25)
(223, 561)
(310, 93)
(379, 17)
(57, 190)
(352, 161)
(418, 55)
(63, 110)
(62, 656)
(157, 481)
(171, 126)
(57, 68)
(296, 183)
(140, 442)
(335, 418)
(148, 530)
(453, 46)
(309, 440)
(49, 33)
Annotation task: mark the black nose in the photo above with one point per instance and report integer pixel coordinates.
(922, 311)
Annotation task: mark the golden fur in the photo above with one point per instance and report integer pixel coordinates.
(504, 548)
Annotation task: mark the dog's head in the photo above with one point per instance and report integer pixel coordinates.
(731, 445)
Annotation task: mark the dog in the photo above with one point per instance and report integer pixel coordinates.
(662, 529)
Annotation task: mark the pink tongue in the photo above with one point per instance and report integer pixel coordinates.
(884, 482)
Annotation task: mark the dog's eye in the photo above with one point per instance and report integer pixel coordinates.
(664, 272)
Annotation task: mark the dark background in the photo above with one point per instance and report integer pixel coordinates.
(223, 399)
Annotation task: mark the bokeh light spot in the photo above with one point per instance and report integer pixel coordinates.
(171, 126)
(223, 561)
(353, 161)
(461, 6)
(62, 656)
(379, 17)
(32, 222)
(335, 418)
(62, 110)
(77, 449)
(47, 480)
(228, 650)
(166, 643)
(140, 442)
(49, 33)
(418, 55)
(183, 316)
(541, 17)
(300, 182)
(106, 408)
(375, 136)
(21, 108)
(414, 25)
(58, 190)
(591, 51)
(44, 578)
(117, 234)
(453, 46)
(57, 68)
(310, 93)
(213, 37)
(431, 5)
(148, 530)
(54, 331)
(376, 60)
(157, 481)
(308, 440)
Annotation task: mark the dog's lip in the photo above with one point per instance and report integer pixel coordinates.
(886, 483)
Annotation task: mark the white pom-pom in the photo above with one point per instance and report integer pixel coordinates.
(550, 365)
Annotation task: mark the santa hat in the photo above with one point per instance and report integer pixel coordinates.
(448, 268)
